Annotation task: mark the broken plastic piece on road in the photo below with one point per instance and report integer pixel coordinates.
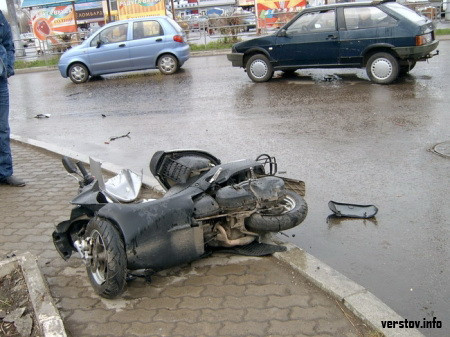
(42, 116)
(123, 136)
(352, 210)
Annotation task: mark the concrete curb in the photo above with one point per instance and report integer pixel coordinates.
(49, 320)
(111, 168)
(359, 300)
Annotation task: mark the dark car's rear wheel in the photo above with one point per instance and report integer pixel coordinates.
(168, 64)
(78, 73)
(382, 68)
(259, 68)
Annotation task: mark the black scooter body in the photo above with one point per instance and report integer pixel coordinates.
(161, 233)
(158, 234)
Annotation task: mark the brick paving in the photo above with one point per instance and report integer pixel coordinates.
(222, 295)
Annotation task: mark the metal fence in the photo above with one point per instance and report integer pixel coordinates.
(32, 49)
(199, 30)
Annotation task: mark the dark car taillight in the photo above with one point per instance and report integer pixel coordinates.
(424, 39)
(178, 38)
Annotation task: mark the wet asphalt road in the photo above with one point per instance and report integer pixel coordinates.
(349, 140)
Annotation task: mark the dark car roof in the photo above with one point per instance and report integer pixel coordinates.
(348, 4)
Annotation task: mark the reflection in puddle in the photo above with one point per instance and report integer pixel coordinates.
(335, 221)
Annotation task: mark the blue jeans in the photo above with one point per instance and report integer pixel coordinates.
(6, 168)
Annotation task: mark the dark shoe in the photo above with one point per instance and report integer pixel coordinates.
(13, 181)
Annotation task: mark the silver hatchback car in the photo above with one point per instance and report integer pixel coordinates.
(135, 44)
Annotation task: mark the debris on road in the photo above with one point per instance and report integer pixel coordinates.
(352, 210)
(123, 136)
(42, 116)
(117, 137)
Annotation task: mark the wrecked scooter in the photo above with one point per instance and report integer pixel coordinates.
(207, 205)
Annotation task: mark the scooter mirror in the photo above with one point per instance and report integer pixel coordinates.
(69, 165)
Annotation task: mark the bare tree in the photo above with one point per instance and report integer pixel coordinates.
(20, 50)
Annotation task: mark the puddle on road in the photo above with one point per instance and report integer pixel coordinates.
(442, 149)
(335, 221)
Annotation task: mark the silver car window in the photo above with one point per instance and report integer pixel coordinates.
(143, 29)
(113, 34)
(175, 25)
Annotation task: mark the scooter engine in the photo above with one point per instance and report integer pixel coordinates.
(249, 194)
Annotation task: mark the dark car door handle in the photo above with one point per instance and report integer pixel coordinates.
(332, 37)
(122, 45)
(158, 40)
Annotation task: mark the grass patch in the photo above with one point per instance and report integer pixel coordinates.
(20, 64)
(445, 31)
(214, 45)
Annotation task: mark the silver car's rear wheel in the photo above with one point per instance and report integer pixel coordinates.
(167, 64)
(78, 73)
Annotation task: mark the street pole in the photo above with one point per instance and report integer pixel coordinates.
(18, 45)
(108, 6)
(173, 10)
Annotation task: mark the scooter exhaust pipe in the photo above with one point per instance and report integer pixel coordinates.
(223, 237)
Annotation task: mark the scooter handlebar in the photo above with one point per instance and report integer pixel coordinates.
(87, 177)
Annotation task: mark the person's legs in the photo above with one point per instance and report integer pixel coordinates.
(6, 169)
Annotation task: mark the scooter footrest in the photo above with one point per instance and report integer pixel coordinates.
(252, 249)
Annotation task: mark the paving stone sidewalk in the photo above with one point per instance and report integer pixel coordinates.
(222, 295)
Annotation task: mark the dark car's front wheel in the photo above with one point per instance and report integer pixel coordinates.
(382, 68)
(78, 73)
(259, 68)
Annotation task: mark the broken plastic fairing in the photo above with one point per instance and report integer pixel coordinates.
(352, 210)
(124, 187)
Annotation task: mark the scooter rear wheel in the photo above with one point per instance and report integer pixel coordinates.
(290, 212)
(107, 269)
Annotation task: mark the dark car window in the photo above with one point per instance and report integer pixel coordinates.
(367, 17)
(405, 12)
(112, 34)
(145, 29)
(314, 22)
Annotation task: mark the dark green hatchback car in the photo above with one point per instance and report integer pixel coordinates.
(383, 36)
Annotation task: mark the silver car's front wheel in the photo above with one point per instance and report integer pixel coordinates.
(78, 73)
(167, 64)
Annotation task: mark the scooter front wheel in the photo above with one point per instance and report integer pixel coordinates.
(107, 267)
(290, 212)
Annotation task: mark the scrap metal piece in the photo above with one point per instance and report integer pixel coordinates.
(42, 116)
(117, 137)
(352, 210)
